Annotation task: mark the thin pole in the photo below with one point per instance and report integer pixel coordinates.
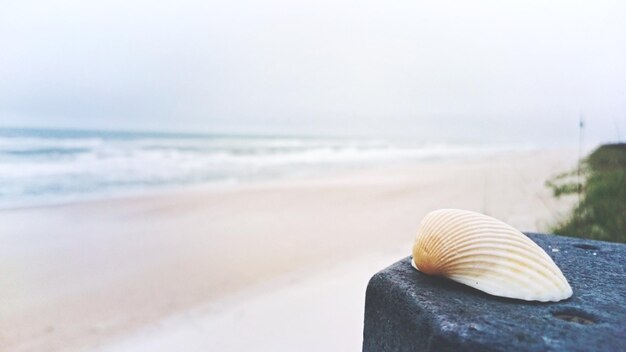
(581, 125)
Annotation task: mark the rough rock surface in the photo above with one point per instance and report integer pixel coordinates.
(406, 310)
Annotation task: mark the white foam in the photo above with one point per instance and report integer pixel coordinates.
(38, 168)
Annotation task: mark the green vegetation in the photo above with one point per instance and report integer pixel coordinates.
(601, 213)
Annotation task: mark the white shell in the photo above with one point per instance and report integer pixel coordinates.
(487, 254)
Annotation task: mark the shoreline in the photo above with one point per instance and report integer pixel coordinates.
(84, 275)
(315, 175)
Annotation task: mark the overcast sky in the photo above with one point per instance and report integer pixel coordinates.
(437, 69)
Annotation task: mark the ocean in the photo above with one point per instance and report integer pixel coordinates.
(46, 166)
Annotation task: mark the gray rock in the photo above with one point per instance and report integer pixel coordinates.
(406, 310)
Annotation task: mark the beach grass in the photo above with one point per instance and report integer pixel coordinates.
(601, 210)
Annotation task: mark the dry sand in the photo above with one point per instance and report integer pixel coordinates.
(269, 266)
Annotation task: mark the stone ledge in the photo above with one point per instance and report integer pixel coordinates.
(406, 310)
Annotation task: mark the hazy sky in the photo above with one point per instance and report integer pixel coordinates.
(433, 69)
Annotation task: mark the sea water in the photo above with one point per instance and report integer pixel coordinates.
(43, 166)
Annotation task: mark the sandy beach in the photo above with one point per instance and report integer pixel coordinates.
(267, 266)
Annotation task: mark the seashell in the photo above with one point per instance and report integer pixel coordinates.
(487, 254)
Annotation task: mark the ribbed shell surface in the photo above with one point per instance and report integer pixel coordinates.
(487, 254)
